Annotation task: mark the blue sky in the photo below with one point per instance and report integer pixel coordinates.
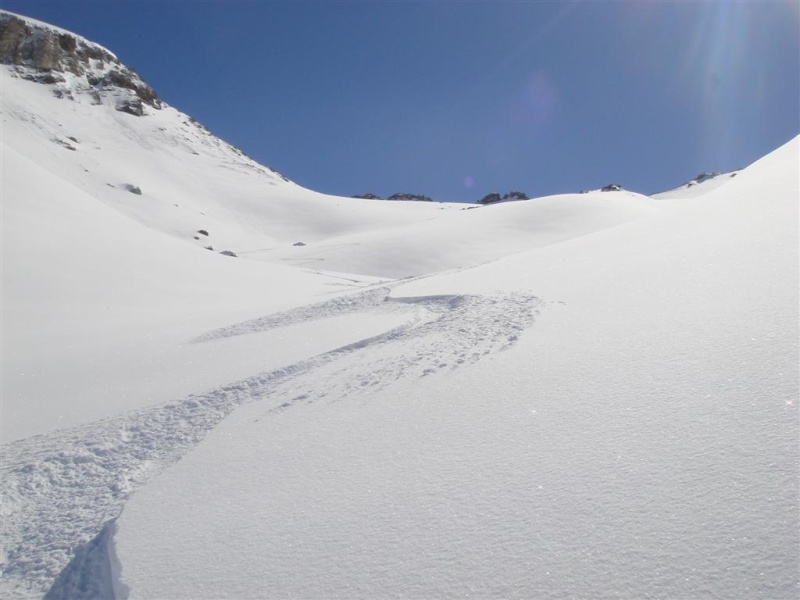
(458, 99)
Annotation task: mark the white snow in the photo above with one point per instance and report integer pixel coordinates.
(584, 396)
(639, 441)
(696, 187)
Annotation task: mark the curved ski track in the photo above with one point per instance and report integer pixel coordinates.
(62, 491)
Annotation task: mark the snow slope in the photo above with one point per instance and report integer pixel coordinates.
(640, 439)
(191, 181)
(702, 184)
(102, 287)
(584, 395)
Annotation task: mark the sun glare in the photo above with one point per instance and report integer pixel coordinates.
(726, 64)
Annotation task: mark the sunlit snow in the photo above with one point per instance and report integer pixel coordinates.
(579, 396)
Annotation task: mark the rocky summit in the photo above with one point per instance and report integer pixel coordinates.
(71, 65)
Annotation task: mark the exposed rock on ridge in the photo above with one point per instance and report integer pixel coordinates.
(399, 196)
(508, 196)
(51, 56)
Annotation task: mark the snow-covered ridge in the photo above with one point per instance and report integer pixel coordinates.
(702, 184)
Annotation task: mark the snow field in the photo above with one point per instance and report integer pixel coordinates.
(590, 396)
(98, 309)
(61, 488)
(639, 441)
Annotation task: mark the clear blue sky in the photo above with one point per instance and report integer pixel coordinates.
(458, 99)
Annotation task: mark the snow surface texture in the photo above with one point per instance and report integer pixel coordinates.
(52, 510)
(589, 396)
(641, 440)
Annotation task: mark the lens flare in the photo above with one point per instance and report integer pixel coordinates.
(536, 102)
(727, 63)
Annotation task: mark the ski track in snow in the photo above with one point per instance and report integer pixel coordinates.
(63, 490)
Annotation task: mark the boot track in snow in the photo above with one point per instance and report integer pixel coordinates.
(62, 491)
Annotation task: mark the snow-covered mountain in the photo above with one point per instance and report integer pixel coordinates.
(217, 383)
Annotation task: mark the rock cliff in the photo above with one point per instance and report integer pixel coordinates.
(71, 65)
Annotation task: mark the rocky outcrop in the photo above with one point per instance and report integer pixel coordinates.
(401, 196)
(507, 197)
(612, 187)
(25, 44)
(705, 177)
(515, 196)
(44, 54)
(133, 189)
(405, 196)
